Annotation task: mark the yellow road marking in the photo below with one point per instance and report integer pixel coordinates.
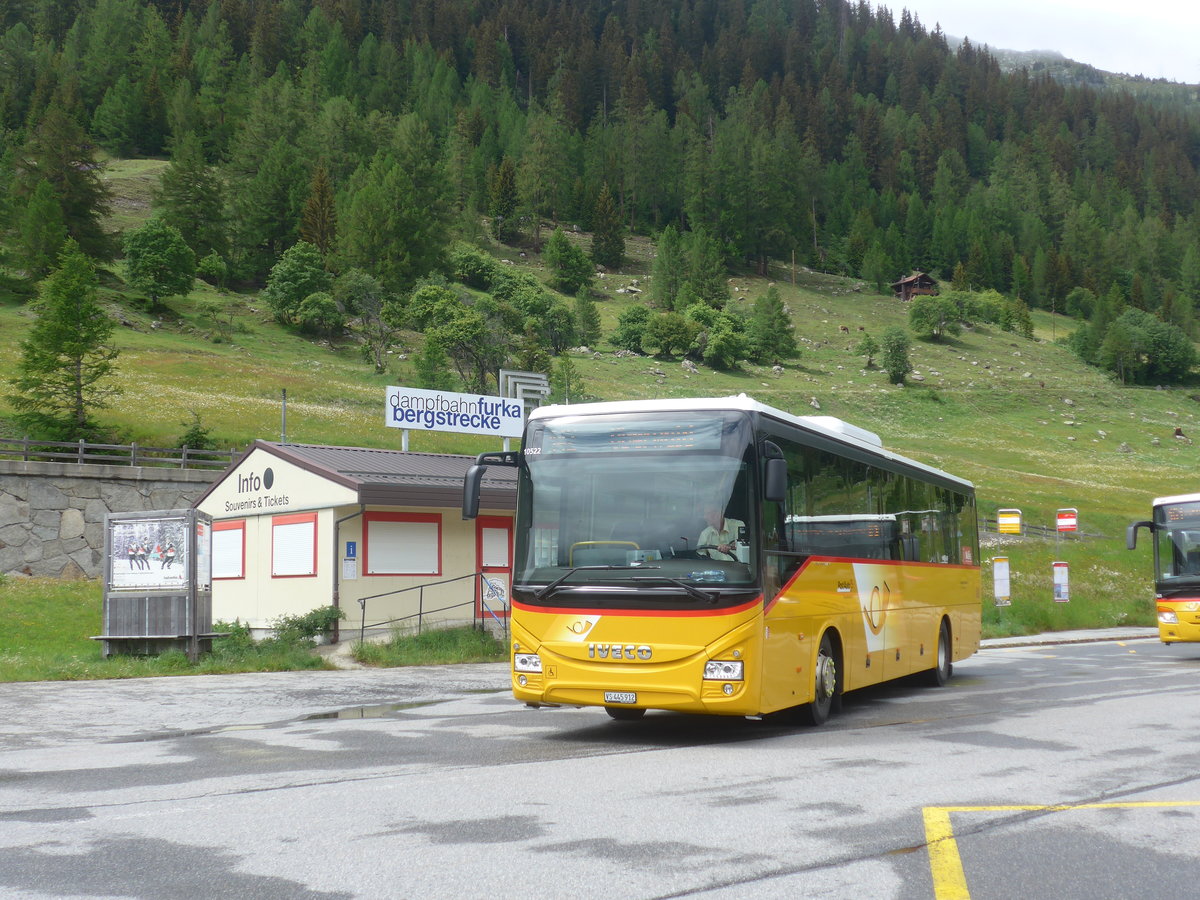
(949, 880)
(945, 864)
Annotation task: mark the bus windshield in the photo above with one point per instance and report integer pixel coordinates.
(1177, 534)
(639, 500)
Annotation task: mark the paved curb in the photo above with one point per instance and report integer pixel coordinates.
(1050, 639)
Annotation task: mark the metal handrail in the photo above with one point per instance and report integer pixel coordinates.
(500, 617)
(86, 453)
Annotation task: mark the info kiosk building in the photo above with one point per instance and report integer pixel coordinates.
(378, 533)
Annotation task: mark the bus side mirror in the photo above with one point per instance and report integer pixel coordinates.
(474, 477)
(470, 500)
(774, 473)
(1131, 533)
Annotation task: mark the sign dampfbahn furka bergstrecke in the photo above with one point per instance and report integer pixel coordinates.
(419, 410)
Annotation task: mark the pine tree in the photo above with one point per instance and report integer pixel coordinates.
(608, 232)
(503, 202)
(706, 269)
(570, 268)
(116, 120)
(587, 320)
(433, 366)
(41, 233)
(67, 359)
(59, 152)
(566, 384)
(771, 333)
(266, 208)
(318, 222)
(190, 198)
(669, 270)
(381, 226)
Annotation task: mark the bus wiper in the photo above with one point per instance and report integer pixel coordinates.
(691, 590)
(539, 593)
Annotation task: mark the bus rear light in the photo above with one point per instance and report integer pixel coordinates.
(527, 662)
(723, 670)
(1168, 617)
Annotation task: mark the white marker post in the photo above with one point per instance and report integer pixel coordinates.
(1000, 585)
(1062, 579)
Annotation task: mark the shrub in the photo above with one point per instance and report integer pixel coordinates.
(318, 313)
(303, 628)
(631, 328)
(894, 358)
(472, 266)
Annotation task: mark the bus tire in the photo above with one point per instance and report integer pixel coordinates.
(828, 685)
(943, 668)
(624, 713)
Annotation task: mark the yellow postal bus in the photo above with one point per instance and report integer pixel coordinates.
(721, 556)
(1176, 530)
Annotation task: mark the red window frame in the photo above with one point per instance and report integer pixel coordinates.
(233, 525)
(428, 518)
(294, 519)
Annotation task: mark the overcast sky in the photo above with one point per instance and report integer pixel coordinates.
(1155, 38)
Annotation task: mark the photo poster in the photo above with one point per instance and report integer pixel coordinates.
(149, 554)
(203, 552)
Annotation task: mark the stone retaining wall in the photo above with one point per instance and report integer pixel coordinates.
(52, 514)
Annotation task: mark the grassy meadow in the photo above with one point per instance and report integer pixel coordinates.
(1025, 420)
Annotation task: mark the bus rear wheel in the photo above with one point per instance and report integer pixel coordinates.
(828, 682)
(624, 713)
(944, 668)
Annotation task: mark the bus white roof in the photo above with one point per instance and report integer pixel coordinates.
(828, 426)
(1179, 498)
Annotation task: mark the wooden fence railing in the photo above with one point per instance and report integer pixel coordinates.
(85, 453)
(992, 527)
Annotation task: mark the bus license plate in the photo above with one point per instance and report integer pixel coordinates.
(620, 697)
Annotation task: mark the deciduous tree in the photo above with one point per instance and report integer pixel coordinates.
(299, 272)
(158, 261)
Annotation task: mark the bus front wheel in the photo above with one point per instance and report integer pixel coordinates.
(944, 668)
(624, 713)
(828, 684)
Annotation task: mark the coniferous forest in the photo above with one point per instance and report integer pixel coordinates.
(311, 140)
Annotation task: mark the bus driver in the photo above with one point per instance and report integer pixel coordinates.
(719, 535)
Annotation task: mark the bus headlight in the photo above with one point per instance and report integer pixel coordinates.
(723, 670)
(527, 662)
(1168, 617)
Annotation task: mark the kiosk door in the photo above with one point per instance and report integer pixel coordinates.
(493, 549)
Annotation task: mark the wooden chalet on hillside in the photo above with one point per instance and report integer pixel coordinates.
(916, 283)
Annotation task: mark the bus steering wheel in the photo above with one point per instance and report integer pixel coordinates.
(728, 553)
